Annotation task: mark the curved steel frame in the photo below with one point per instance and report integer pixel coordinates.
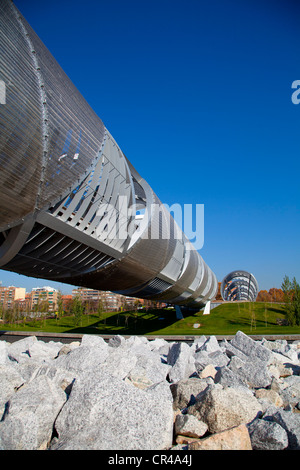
(72, 207)
(239, 285)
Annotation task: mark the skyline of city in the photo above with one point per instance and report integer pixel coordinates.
(209, 99)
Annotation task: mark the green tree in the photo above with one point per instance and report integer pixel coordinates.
(291, 295)
(296, 301)
(100, 308)
(60, 307)
(77, 309)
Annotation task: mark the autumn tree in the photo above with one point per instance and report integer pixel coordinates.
(276, 295)
(264, 296)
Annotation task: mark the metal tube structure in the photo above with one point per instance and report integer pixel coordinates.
(72, 207)
(239, 285)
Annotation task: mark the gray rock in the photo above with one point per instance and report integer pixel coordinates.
(250, 347)
(19, 350)
(186, 391)
(119, 397)
(116, 341)
(228, 378)
(291, 423)
(182, 370)
(62, 378)
(267, 435)
(278, 385)
(256, 374)
(253, 372)
(201, 359)
(41, 351)
(31, 412)
(198, 342)
(177, 350)
(105, 413)
(10, 381)
(137, 344)
(148, 368)
(159, 344)
(119, 363)
(293, 382)
(278, 346)
(210, 345)
(269, 396)
(225, 408)
(93, 341)
(163, 389)
(216, 358)
(31, 349)
(269, 411)
(290, 391)
(181, 359)
(4, 352)
(66, 348)
(283, 349)
(189, 425)
(83, 358)
(232, 351)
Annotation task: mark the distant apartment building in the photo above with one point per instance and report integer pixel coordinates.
(66, 301)
(86, 294)
(41, 295)
(110, 301)
(8, 295)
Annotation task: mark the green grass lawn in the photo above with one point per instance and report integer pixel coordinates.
(257, 318)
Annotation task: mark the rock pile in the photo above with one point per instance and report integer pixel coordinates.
(136, 394)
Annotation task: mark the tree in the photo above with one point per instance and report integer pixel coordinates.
(291, 292)
(60, 308)
(276, 295)
(77, 309)
(100, 308)
(296, 301)
(264, 296)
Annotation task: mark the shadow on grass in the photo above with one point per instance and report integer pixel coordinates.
(129, 323)
(277, 310)
(258, 322)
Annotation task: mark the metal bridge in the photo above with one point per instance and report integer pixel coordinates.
(72, 207)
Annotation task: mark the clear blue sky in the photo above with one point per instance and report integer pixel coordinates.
(198, 96)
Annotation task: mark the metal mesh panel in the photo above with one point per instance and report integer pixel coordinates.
(75, 132)
(154, 287)
(20, 146)
(50, 254)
